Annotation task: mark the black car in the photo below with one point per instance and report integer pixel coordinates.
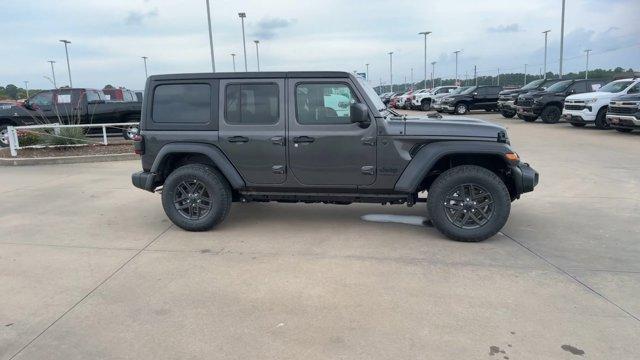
(507, 100)
(476, 97)
(68, 106)
(548, 104)
(623, 113)
(214, 138)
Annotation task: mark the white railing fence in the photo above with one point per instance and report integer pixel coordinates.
(14, 142)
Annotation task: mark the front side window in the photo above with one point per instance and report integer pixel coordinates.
(252, 104)
(44, 98)
(579, 87)
(324, 103)
(182, 103)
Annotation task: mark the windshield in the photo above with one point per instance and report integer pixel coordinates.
(371, 94)
(459, 90)
(560, 86)
(616, 86)
(469, 90)
(533, 85)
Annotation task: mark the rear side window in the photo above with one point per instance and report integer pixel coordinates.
(182, 103)
(252, 104)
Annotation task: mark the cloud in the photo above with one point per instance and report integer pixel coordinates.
(511, 28)
(135, 18)
(266, 28)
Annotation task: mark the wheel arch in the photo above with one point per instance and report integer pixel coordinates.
(174, 155)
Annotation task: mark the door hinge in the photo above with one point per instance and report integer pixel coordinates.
(278, 169)
(369, 140)
(368, 170)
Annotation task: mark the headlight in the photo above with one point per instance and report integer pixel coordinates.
(590, 101)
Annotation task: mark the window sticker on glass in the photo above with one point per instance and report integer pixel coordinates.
(64, 99)
(595, 87)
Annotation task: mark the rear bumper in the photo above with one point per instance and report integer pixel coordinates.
(144, 180)
(525, 178)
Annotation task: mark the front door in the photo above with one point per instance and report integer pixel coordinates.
(325, 147)
(252, 129)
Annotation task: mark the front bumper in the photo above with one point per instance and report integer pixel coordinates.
(578, 116)
(525, 178)
(507, 105)
(529, 111)
(623, 121)
(144, 180)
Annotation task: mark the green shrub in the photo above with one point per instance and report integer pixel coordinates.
(29, 138)
(68, 136)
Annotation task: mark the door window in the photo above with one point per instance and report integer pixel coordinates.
(324, 103)
(635, 89)
(44, 98)
(579, 87)
(252, 104)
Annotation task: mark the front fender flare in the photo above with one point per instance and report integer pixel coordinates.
(427, 157)
(210, 151)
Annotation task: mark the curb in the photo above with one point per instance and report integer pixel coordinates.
(67, 159)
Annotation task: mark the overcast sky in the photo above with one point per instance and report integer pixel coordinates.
(108, 37)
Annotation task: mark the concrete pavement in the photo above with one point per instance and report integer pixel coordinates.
(91, 268)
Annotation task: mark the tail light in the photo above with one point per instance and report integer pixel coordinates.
(138, 144)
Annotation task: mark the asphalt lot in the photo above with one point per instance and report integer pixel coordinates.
(90, 268)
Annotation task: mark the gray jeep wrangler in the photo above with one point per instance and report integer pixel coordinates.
(211, 139)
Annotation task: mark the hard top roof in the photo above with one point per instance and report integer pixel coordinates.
(253, 75)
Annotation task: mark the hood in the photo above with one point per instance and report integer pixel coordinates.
(591, 95)
(627, 97)
(535, 93)
(452, 126)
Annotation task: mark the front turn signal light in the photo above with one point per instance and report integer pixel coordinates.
(512, 157)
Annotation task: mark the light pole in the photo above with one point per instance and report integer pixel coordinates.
(53, 73)
(586, 69)
(546, 33)
(26, 85)
(244, 43)
(257, 53)
(525, 74)
(66, 51)
(411, 76)
(391, 70)
(213, 61)
(144, 59)
(498, 77)
(562, 38)
(233, 58)
(433, 73)
(456, 52)
(367, 65)
(425, 33)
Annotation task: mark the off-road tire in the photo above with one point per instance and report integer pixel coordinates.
(601, 119)
(216, 185)
(578, 124)
(520, 116)
(551, 114)
(425, 105)
(468, 174)
(508, 114)
(461, 109)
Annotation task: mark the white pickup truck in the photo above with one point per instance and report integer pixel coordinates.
(591, 107)
(423, 101)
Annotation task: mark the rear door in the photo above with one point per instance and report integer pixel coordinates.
(252, 128)
(325, 147)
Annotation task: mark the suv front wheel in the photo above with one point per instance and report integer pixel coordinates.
(196, 197)
(468, 203)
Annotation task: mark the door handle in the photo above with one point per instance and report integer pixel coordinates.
(238, 139)
(303, 139)
(278, 140)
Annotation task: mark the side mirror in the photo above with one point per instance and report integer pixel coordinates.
(27, 105)
(475, 94)
(359, 113)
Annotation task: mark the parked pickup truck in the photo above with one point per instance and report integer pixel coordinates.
(476, 97)
(423, 100)
(591, 108)
(68, 106)
(211, 139)
(508, 99)
(624, 112)
(548, 104)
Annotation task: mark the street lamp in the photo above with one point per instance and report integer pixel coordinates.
(53, 73)
(561, 39)
(66, 42)
(213, 61)
(456, 52)
(26, 85)
(233, 58)
(586, 70)
(391, 70)
(433, 72)
(546, 34)
(425, 33)
(257, 53)
(144, 58)
(525, 74)
(244, 43)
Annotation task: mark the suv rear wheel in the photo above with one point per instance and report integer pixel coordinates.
(551, 114)
(468, 203)
(461, 109)
(196, 197)
(508, 114)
